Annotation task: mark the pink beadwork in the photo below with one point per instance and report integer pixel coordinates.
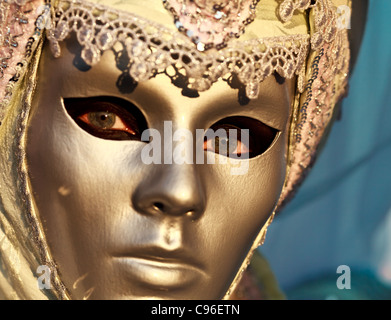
(211, 23)
(17, 25)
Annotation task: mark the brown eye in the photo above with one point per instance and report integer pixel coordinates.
(105, 120)
(231, 143)
(239, 137)
(107, 117)
(102, 120)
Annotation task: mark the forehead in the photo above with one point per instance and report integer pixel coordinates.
(159, 95)
(266, 24)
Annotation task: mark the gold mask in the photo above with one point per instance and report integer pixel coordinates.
(303, 40)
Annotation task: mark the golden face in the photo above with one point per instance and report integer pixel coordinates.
(121, 228)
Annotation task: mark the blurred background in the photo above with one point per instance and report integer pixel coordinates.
(342, 213)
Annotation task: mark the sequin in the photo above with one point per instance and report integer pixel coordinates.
(141, 39)
(85, 35)
(139, 71)
(105, 40)
(91, 55)
(214, 22)
(252, 90)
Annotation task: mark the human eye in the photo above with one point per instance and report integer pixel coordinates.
(108, 118)
(239, 137)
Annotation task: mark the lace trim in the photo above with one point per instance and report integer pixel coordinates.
(151, 47)
(327, 86)
(288, 7)
(211, 24)
(325, 28)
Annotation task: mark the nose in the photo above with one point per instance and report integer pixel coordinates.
(173, 190)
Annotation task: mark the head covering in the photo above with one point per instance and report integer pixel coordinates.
(206, 40)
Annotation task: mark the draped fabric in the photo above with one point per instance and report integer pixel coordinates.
(342, 214)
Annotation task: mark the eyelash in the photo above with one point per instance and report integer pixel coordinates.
(124, 121)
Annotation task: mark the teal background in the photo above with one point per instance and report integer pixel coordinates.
(342, 213)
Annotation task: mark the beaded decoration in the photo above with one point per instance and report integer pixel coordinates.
(102, 28)
(327, 79)
(19, 33)
(210, 24)
(98, 28)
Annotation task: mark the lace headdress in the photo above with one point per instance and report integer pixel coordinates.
(204, 39)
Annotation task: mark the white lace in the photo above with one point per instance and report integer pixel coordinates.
(99, 28)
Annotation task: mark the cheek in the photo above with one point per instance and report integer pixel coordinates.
(240, 205)
(257, 189)
(82, 185)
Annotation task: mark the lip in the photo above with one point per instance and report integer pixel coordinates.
(157, 267)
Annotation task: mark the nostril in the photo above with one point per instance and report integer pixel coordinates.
(158, 206)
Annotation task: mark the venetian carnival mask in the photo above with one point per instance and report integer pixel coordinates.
(81, 84)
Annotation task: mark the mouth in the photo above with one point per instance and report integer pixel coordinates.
(159, 268)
